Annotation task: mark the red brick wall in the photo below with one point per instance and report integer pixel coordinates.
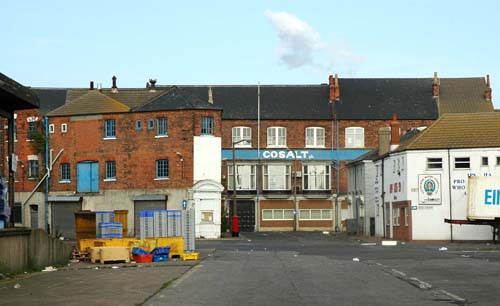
(135, 152)
(276, 204)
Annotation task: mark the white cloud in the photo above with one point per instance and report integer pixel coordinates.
(300, 45)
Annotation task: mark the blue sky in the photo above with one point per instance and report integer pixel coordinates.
(67, 44)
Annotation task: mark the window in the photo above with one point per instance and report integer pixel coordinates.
(434, 163)
(406, 210)
(207, 216)
(161, 126)
(242, 133)
(316, 177)
(277, 214)
(276, 137)
(245, 177)
(110, 170)
(355, 137)
(52, 128)
(315, 214)
(65, 173)
(207, 125)
(31, 130)
(484, 161)
(162, 169)
(64, 128)
(32, 168)
(276, 177)
(498, 160)
(395, 216)
(151, 124)
(462, 162)
(109, 129)
(315, 137)
(138, 125)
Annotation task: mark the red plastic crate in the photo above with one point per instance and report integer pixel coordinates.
(143, 258)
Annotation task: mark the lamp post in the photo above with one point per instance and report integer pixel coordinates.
(294, 190)
(235, 219)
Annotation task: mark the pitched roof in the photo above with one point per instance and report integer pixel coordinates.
(463, 95)
(174, 99)
(15, 96)
(92, 102)
(131, 97)
(50, 98)
(454, 131)
(361, 99)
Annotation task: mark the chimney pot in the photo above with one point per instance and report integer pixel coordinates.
(114, 88)
(91, 85)
(334, 90)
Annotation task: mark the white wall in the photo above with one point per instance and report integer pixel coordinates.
(207, 158)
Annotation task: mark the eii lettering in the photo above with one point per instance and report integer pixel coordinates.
(491, 197)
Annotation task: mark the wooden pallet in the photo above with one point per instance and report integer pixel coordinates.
(109, 254)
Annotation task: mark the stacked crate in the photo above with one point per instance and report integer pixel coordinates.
(100, 217)
(146, 229)
(160, 223)
(188, 229)
(110, 230)
(174, 223)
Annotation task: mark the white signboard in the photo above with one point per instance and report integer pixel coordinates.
(483, 197)
(429, 189)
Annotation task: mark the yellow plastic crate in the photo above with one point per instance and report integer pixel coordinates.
(190, 256)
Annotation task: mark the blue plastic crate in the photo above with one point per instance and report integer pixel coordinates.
(161, 251)
(139, 251)
(160, 258)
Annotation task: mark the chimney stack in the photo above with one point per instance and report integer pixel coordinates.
(487, 93)
(395, 132)
(435, 86)
(152, 86)
(334, 92)
(114, 89)
(384, 140)
(91, 85)
(210, 95)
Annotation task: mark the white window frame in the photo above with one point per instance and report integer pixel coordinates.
(245, 173)
(276, 137)
(434, 163)
(64, 127)
(406, 210)
(311, 179)
(278, 215)
(487, 161)
(109, 129)
(61, 179)
(107, 177)
(240, 133)
(286, 177)
(314, 139)
(52, 128)
(161, 127)
(354, 137)
(395, 216)
(465, 160)
(305, 214)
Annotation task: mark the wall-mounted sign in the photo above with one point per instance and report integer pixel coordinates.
(289, 154)
(429, 189)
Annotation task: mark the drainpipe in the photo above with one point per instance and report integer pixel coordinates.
(449, 194)
(382, 195)
(46, 123)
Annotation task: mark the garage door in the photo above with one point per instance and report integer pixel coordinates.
(63, 219)
(146, 205)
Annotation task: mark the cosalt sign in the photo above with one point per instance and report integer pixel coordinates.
(286, 154)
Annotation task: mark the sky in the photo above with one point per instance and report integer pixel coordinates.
(69, 43)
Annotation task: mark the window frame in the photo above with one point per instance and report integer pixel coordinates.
(286, 177)
(31, 130)
(241, 131)
(251, 176)
(207, 125)
(151, 124)
(33, 169)
(52, 128)
(354, 132)
(431, 161)
(465, 161)
(64, 173)
(276, 140)
(109, 129)
(110, 170)
(396, 216)
(64, 127)
(138, 125)
(317, 141)
(276, 212)
(162, 127)
(308, 176)
(158, 175)
(483, 158)
(302, 215)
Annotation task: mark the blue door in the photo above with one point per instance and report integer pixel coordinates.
(88, 176)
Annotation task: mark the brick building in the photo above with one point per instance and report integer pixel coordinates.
(286, 145)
